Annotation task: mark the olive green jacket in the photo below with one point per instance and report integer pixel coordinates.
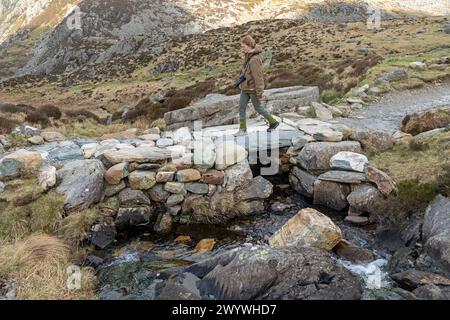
(254, 75)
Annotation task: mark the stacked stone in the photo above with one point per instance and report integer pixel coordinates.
(338, 176)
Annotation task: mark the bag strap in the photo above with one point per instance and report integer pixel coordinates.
(247, 64)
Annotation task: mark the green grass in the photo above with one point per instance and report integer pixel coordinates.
(421, 174)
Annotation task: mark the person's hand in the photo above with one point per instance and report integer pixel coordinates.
(264, 98)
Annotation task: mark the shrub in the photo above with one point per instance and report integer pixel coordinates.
(51, 111)
(37, 117)
(16, 108)
(415, 195)
(82, 114)
(176, 103)
(7, 125)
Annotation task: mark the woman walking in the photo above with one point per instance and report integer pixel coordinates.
(252, 85)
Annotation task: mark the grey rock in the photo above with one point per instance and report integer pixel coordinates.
(112, 190)
(364, 198)
(148, 166)
(258, 188)
(174, 199)
(10, 168)
(132, 198)
(215, 110)
(432, 292)
(127, 217)
(394, 75)
(197, 187)
(163, 224)
(377, 140)
(412, 279)
(81, 182)
(302, 182)
(447, 28)
(343, 177)
(158, 194)
(238, 175)
(267, 273)
(60, 152)
(102, 235)
(331, 194)
(180, 287)
(436, 236)
(316, 156)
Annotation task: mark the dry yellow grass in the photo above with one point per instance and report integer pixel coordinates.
(38, 265)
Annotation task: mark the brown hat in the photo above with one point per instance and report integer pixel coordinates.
(248, 40)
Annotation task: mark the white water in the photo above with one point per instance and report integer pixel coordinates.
(373, 273)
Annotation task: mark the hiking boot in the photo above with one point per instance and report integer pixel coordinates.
(241, 132)
(273, 126)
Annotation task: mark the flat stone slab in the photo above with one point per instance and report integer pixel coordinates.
(216, 109)
(257, 138)
(59, 152)
(343, 176)
(140, 155)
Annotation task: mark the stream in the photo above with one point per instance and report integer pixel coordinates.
(131, 268)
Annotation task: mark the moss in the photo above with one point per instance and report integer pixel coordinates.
(21, 192)
(415, 195)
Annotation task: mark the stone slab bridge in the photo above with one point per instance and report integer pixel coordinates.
(218, 110)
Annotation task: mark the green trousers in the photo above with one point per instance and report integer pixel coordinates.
(244, 100)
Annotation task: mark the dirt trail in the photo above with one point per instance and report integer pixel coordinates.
(387, 114)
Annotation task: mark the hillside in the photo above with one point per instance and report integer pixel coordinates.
(35, 38)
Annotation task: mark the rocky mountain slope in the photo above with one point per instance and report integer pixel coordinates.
(35, 37)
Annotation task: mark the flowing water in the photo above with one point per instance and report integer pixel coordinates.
(130, 272)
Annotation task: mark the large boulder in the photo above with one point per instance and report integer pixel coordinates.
(308, 228)
(316, 156)
(81, 182)
(59, 152)
(436, 236)
(425, 121)
(264, 273)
